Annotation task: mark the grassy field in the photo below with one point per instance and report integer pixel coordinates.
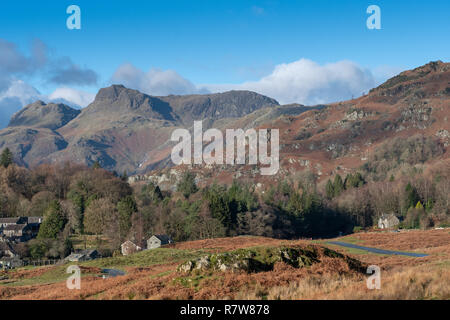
(145, 258)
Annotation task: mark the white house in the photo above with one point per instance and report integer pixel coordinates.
(388, 221)
(158, 240)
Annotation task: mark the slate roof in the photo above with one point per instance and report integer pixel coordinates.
(35, 219)
(15, 227)
(5, 246)
(129, 242)
(80, 254)
(10, 220)
(164, 238)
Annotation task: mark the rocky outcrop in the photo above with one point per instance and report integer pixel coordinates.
(232, 104)
(264, 259)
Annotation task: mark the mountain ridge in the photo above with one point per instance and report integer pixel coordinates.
(126, 130)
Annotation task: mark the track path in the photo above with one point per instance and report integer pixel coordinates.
(380, 251)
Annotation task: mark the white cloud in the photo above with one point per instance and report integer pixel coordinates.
(303, 81)
(19, 94)
(22, 91)
(14, 97)
(72, 97)
(14, 65)
(154, 82)
(306, 82)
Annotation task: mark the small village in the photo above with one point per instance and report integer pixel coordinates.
(14, 231)
(19, 230)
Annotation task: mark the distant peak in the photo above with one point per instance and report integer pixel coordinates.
(41, 115)
(432, 66)
(414, 74)
(110, 92)
(38, 103)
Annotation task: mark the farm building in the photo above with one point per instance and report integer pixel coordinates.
(129, 247)
(83, 255)
(388, 221)
(158, 240)
(10, 262)
(20, 229)
(20, 232)
(34, 223)
(4, 222)
(6, 250)
(8, 257)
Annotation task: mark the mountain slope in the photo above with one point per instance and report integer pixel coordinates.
(126, 130)
(405, 120)
(123, 129)
(40, 115)
(211, 107)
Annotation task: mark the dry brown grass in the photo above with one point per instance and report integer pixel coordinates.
(408, 284)
(407, 240)
(227, 244)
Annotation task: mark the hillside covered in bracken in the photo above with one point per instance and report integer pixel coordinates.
(402, 122)
(334, 273)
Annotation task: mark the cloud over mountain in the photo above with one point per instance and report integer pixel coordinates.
(154, 82)
(303, 81)
(72, 97)
(306, 82)
(14, 98)
(17, 68)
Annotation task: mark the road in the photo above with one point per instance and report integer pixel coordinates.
(380, 251)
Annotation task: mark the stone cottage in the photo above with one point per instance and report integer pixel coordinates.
(8, 257)
(83, 255)
(4, 222)
(129, 247)
(388, 221)
(18, 232)
(158, 240)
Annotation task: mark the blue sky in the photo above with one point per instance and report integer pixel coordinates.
(204, 46)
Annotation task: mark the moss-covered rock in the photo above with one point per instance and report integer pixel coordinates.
(260, 259)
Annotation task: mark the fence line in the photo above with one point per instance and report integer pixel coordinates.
(37, 263)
